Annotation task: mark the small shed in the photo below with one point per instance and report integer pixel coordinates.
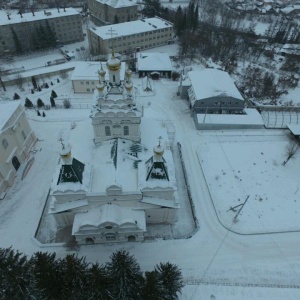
(155, 65)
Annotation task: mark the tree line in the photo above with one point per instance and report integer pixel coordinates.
(44, 276)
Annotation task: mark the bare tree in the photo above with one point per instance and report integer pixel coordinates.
(290, 151)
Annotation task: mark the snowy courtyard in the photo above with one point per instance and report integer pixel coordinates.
(249, 166)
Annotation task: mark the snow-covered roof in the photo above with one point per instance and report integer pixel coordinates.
(289, 9)
(89, 71)
(38, 15)
(133, 27)
(295, 129)
(6, 111)
(252, 117)
(108, 213)
(118, 3)
(212, 83)
(154, 61)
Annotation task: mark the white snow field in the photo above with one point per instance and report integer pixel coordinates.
(214, 261)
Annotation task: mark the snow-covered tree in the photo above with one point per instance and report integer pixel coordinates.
(171, 278)
(153, 288)
(52, 102)
(53, 94)
(16, 96)
(14, 275)
(126, 276)
(40, 103)
(28, 103)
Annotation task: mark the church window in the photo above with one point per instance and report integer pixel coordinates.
(108, 227)
(107, 131)
(23, 135)
(110, 236)
(114, 78)
(5, 144)
(126, 130)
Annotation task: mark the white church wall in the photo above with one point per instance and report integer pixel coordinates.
(160, 215)
(167, 193)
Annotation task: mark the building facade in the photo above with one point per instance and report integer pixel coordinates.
(23, 30)
(17, 138)
(105, 12)
(131, 36)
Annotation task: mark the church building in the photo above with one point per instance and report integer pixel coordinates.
(129, 183)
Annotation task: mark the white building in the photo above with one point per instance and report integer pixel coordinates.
(112, 11)
(126, 185)
(16, 138)
(65, 23)
(130, 36)
(85, 75)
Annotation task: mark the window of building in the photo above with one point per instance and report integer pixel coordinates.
(126, 130)
(5, 144)
(88, 90)
(107, 131)
(23, 135)
(110, 236)
(87, 82)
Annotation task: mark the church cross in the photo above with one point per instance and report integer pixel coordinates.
(159, 140)
(112, 33)
(62, 142)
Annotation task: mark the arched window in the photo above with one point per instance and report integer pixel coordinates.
(23, 135)
(5, 144)
(107, 131)
(114, 78)
(126, 130)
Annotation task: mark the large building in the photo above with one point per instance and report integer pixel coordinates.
(16, 138)
(105, 12)
(24, 30)
(131, 36)
(125, 180)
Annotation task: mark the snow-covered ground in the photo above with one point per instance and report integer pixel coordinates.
(214, 261)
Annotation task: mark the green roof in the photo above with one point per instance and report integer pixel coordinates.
(71, 173)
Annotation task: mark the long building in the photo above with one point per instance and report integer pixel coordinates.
(105, 12)
(65, 23)
(130, 36)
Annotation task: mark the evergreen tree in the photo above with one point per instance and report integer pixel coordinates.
(28, 103)
(40, 103)
(152, 8)
(32, 91)
(99, 283)
(41, 37)
(14, 275)
(34, 82)
(50, 36)
(171, 279)
(17, 42)
(46, 85)
(58, 80)
(52, 102)
(74, 277)
(126, 276)
(44, 115)
(38, 113)
(153, 288)
(47, 276)
(51, 83)
(53, 94)
(39, 89)
(16, 96)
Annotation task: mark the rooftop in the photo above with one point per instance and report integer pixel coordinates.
(154, 61)
(133, 27)
(118, 3)
(6, 111)
(38, 15)
(212, 83)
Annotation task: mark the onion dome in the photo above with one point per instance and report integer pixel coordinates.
(113, 64)
(158, 152)
(128, 86)
(65, 154)
(100, 86)
(128, 73)
(101, 73)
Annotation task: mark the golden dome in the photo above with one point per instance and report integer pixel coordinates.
(113, 64)
(128, 73)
